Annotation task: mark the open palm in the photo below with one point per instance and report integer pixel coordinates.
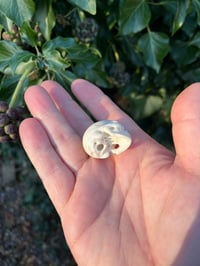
(138, 208)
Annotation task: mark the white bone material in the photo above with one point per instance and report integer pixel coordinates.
(104, 138)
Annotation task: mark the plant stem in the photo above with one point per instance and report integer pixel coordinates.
(37, 51)
(18, 88)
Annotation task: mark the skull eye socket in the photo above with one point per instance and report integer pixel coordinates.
(115, 146)
(100, 147)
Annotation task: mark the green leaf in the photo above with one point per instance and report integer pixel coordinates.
(54, 60)
(20, 61)
(1, 29)
(7, 86)
(98, 76)
(18, 11)
(154, 46)
(181, 12)
(192, 75)
(65, 78)
(153, 104)
(195, 40)
(60, 43)
(134, 16)
(75, 52)
(190, 25)
(28, 34)
(87, 5)
(95, 74)
(45, 17)
(143, 106)
(5, 22)
(183, 53)
(7, 51)
(84, 55)
(196, 6)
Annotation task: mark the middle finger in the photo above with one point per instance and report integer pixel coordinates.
(73, 113)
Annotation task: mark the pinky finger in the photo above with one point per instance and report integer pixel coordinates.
(57, 178)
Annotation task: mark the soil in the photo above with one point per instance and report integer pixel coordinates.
(30, 231)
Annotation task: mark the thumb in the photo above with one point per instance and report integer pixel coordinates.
(186, 128)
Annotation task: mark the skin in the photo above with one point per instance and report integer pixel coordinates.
(137, 208)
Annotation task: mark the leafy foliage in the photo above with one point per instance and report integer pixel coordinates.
(142, 53)
(18, 11)
(134, 16)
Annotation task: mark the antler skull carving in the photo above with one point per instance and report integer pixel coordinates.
(104, 138)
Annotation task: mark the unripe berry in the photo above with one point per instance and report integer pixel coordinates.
(10, 118)
(17, 41)
(15, 28)
(2, 131)
(14, 136)
(12, 113)
(4, 119)
(119, 77)
(4, 139)
(3, 107)
(10, 129)
(7, 36)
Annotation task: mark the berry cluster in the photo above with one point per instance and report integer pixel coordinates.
(15, 35)
(86, 31)
(119, 77)
(10, 117)
(40, 36)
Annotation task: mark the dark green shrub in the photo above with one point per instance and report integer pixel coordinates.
(142, 53)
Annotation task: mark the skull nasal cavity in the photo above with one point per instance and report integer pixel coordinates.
(100, 147)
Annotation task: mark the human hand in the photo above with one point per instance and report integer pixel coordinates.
(137, 208)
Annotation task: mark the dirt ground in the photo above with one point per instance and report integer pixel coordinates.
(30, 231)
